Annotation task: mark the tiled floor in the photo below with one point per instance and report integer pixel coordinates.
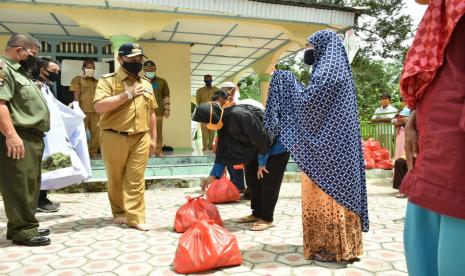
(84, 242)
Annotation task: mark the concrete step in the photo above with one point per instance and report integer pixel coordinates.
(173, 167)
(183, 172)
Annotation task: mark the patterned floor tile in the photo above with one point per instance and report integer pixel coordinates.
(352, 272)
(133, 257)
(100, 266)
(72, 262)
(6, 267)
(164, 271)
(75, 251)
(107, 254)
(269, 239)
(244, 267)
(14, 256)
(392, 273)
(280, 248)
(66, 272)
(134, 269)
(161, 260)
(89, 244)
(259, 256)
(293, 259)
(400, 266)
(133, 247)
(31, 270)
(286, 233)
(272, 268)
(374, 265)
(394, 246)
(386, 255)
(311, 271)
(251, 246)
(42, 259)
(164, 249)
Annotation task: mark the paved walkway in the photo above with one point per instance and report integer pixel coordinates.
(84, 242)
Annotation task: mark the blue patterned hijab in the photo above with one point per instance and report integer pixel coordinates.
(319, 124)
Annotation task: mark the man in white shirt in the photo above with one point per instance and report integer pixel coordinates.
(382, 118)
(386, 112)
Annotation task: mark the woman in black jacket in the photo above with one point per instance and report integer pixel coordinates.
(241, 135)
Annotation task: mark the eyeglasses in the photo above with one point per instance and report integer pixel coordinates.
(29, 51)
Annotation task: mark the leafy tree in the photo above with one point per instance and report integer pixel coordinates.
(250, 88)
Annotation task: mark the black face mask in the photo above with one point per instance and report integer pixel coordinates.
(132, 67)
(309, 56)
(53, 76)
(28, 63)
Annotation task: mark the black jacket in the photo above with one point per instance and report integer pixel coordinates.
(242, 136)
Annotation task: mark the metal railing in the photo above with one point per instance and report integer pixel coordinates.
(384, 133)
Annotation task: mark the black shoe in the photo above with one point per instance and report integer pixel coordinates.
(47, 206)
(43, 232)
(34, 241)
(246, 194)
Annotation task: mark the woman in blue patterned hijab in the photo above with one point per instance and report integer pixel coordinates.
(320, 128)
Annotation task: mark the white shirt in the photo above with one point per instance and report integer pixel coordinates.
(388, 112)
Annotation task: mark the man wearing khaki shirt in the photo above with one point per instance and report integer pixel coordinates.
(128, 125)
(83, 88)
(204, 95)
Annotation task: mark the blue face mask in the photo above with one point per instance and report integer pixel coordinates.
(150, 75)
(208, 82)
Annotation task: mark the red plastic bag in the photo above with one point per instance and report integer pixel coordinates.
(189, 213)
(223, 191)
(381, 155)
(206, 246)
(385, 164)
(369, 162)
(372, 144)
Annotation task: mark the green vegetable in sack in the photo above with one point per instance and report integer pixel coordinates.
(56, 161)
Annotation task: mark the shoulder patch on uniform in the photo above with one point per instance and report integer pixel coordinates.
(2, 74)
(108, 75)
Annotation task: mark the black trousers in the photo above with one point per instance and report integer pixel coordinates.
(265, 192)
(42, 195)
(400, 170)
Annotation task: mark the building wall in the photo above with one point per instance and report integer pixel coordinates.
(173, 64)
(3, 41)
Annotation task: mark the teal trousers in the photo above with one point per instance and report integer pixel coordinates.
(434, 243)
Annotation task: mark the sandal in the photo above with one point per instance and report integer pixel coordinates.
(261, 225)
(247, 219)
(328, 260)
(401, 195)
(325, 257)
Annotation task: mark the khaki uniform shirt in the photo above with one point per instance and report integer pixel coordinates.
(134, 115)
(161, 91)
(85, 87)
(25, 101)
(205, 94)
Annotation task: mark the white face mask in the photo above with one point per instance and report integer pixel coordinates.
(89, 72)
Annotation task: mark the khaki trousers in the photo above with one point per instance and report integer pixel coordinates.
(125, 158)
(159, 147)
(207, 137)
(90, 122)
